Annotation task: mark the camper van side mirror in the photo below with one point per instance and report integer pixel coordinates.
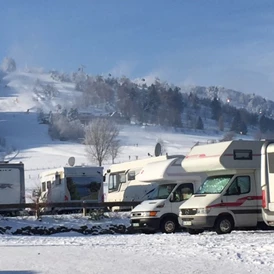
(131, 176)
(171, 198)
(57, 179)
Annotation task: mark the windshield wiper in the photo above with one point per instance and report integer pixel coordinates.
(148, 193)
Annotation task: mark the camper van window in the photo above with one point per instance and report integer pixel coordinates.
(122, 178)
(83, 188)
(115, 180)
(48, 184)
(162, 191)
(214, 184)
(183, 192)
(271, 162)
(241, 185)
(43, 186)
(242, 154)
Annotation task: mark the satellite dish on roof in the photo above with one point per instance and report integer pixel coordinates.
(71, 161)
(158, 150)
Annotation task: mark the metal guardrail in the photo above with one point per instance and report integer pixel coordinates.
(84, 205)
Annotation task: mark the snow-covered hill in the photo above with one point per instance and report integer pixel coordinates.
(253, 103)
(30, 142)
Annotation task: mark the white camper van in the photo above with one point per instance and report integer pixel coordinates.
(12, 184)
(267, 177)
(231, 196)
(72, 183)
(123, 184)
(173, 186)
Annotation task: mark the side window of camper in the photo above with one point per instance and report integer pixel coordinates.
(43, 186)
(241, 185)
(183, 192)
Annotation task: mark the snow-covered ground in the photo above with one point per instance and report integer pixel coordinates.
(239, 252)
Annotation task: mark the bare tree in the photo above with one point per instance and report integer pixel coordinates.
(100, 135)
(114, 150)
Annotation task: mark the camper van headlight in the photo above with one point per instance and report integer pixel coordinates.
(203, 210)
(149, 214)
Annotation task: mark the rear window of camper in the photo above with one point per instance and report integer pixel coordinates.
(242, 154)
(271, 162)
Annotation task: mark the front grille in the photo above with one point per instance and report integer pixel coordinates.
(188, 211)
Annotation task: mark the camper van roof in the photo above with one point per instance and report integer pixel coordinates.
(70, 169)
(236, 154)
(162, 170)
(140, 163)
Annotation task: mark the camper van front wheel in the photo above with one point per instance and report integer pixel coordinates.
(224, 225)
(168, 225)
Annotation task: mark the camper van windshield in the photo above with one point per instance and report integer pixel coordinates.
(162, 191)
(214, 184)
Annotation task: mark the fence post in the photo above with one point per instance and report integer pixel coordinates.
(84, 209)
(37, 209)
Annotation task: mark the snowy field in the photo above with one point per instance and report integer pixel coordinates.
(239, 252)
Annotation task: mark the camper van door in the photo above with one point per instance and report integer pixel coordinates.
(242, 200)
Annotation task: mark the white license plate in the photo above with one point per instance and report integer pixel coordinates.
(186, 222)
(135, 224)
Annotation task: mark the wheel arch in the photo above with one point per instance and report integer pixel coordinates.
(225, 214)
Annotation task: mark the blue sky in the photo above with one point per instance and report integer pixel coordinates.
(203, 42)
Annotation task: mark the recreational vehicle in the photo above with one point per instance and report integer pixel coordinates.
(123, 184)
(12, 184)
(71, 183)
(173, 187)
(267, 177)
(231, 196)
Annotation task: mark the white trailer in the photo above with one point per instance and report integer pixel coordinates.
(231, 196)
(173, 186)
(123, 182)
(12, 184)
(72, 183)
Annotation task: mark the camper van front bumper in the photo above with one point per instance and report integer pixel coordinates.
(149, 224)
(197, 222)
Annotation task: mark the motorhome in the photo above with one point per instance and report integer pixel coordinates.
(267, 177)
(231, 196)
(71, 183)
(12, 184)
(173, 186)
(123, 184)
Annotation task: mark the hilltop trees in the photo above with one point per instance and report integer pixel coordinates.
(101, 140)
(8, 65)
(238, 125)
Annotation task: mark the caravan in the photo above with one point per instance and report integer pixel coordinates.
(172, 187)
(123, 183)
(231, 196)
(71, 183)
(12, 184)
